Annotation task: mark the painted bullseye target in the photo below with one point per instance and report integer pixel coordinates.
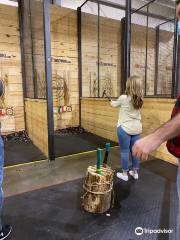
(60, 87)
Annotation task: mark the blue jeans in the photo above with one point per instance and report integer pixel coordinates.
(1, 178)
(126, 143)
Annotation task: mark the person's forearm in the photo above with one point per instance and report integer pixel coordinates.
(169, 130)
(115, 103)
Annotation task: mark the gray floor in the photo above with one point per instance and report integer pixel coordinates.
(17, 151)
(42, 174)
(43, 201)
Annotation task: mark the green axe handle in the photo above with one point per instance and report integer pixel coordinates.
(99, 160)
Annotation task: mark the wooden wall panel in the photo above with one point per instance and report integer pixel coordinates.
(64, 66)
(166, 48)
(36, 122)
(138, 57)
(109, 53)
(10, 69)
(100, 118)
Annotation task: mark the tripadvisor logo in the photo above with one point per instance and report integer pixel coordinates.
(140, 231)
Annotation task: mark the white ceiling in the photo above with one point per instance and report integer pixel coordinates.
(167, 3)
(7, 2)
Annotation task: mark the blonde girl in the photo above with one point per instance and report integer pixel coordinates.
(129, 125)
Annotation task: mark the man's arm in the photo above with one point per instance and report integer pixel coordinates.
(148, 144)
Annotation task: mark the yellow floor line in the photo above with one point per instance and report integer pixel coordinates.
(58, 158)
(23, 164)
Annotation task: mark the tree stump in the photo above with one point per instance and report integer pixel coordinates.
(98, 190)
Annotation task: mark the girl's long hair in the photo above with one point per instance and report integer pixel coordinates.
(134, 88)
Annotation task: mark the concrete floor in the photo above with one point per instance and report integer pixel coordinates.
(42, 174)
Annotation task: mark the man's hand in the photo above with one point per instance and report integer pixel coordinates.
(143, 147)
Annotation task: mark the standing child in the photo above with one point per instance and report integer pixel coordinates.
(129, 125)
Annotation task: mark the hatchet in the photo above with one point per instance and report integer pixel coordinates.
(105, 95)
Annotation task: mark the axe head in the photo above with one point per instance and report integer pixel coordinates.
(104, 93)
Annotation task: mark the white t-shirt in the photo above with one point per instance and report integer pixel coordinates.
(129, 117)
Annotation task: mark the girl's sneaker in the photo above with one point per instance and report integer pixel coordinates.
(122, 176)
(134, 175)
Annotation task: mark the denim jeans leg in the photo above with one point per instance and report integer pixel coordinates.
(135, 160)
(1, 178)
(178, 212)
(124, 143)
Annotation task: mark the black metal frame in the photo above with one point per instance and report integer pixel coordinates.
(98, 39)
(32, 54)
(20, 7)
(105, 3)
(80, 49)
(79, 60)
(20, 14)
(122, 7)
(145, 5)
(156, 59)
(123, 43)
(173, 88)
(177, 73)
(146, 59)
(126, 44)
(47, 49)
(48, 71)
(176, 61)
(174, 79)
(35, 93)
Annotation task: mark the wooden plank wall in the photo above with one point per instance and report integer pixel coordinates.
(64, 66)
(166, 48)
(38, 47)
(100, 118)
(10, 69)
(138, 57)
(97, 116)
(110, 55)
(65, 60)
(36, 122)
(89, 43)
(36, 109)
(138, 54)
(155, 113)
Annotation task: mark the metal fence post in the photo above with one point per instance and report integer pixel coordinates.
(127, 41)
(48, 72)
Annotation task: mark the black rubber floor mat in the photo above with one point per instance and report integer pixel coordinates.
(83, 142)
(55, 213)
(20, 152)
